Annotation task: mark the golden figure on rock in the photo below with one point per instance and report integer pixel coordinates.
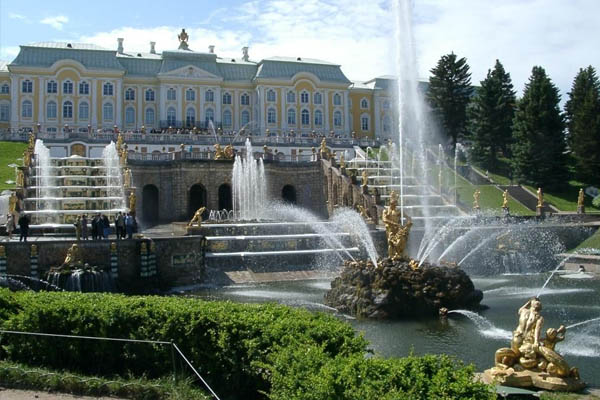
(531, 361)
(397, 235)
(219, 154)
(197, 218)
(74, 256)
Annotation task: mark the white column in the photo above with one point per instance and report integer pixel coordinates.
(261, 110)
(40, 87)
(218, 103)
(162, 101)
(201, 94)
(15, 107)
(236, 110)
(118, 120)
(283, 99)
(325, 98)
(180, 112)
(94, 102)
(377, 117)
(347, 112)
(140, 111)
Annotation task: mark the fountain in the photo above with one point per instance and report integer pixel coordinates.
(249, 186)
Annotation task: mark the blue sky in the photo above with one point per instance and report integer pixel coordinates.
(559, 35)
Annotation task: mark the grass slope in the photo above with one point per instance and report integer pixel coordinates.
(9, 152)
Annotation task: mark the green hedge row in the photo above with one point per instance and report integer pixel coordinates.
(254, 350)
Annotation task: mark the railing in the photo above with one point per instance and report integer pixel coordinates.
(209, 155)
(174, 349)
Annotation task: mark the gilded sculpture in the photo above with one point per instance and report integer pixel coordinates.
(123, 156)
(365, 178)
(74, 256)
(505, 199)
(324, 150)
(197, 218)
(580, 198)
(397, 234)
(2, 252)
(20, 179)
(183, 40)
(127, 178)
(12, 203)
(31, 142)
(362, 210)
(476, 195)
(228, 152)
(27, 158)
(342, 161)
(132, 201)
(219, 154)
(531, 361)
(119, 142)
(540, 197)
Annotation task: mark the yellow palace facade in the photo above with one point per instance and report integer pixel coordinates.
(79, 87)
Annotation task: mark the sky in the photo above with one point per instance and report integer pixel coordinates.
(559, 35)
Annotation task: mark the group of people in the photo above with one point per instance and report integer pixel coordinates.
(125, 226)
(23, 223)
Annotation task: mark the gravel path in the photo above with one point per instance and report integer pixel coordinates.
(12, 394)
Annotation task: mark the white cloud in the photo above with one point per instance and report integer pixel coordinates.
(8, 53)
(16, 16)
(56, 22)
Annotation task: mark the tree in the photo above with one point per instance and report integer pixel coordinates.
(491, 116)
(583, 122)
(449, 93)
(539, 142)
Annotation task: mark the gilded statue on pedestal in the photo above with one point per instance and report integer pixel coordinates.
(132, 201)
(365, 178)
(12, 203)
(123, 156)
(219, 154)
(397, 235)
(228, 152)
(505, 199)
(540, 197)
(20, 179)
(476, 195)
(119, 142)
(31, 142)
(324, 150)
(531, 360)
(27, 158)
(580, 198)
(127, 178)
(197, 218)
(363, 213)
(74, 256)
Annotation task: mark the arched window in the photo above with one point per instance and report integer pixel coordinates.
(305, 117)
(288, 194)
(318, 118)
(5, 89)
(364, 103)
(337, 99)
(337, 119)
(364, 122)
(190, 95)
(271, 95)
(27, 86)
(317, 98)
(129, 116)
(107, 90)
(130, 94)
(387, 123)
(51, 110)
(107, 112)
(291, 97)
(84, 88)
(171, 94)
(52, 87)
(68, 109)
(226, 98)
(149, 95)
(190, 117)
(304, 97)
(245, 118)
(209, 115)
(171, 116)
(245, 99)
(291, 117)
(209, 96)
(271, 116)
(67, 87)
(149, 116)
(4, 112)
(84, 110)
(227, 118)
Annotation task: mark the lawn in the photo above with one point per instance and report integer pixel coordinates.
(593, 242)
(9, 152)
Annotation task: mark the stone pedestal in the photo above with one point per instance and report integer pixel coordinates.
(580, 209)
(505, 211)
(539, 211)
(531, 379)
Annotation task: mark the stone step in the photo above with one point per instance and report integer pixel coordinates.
(261, 243)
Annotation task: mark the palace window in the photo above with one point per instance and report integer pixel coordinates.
(364, 122)
(171, 94)
(271, 96)
(149, 116)
(245, 99)
(209, 96)
(107, 90)
(171, 116)
(317, 98)
(387, 123)
(190, 95)
(107, 112)
(27, 86)
(26, 109)
(291, 117)
(318, 118)
(304, 97)
(52, 87)
(227, 118)
(67, 110)
(84, 110)
(337, 119)
(129, 116)
(4, 112)
(337, 99)
(226, 98)
(305, 117)
(130, 94)
(364, 103)
(190, 117)
(67, 87)
(5, 89)
(84, 88)
(245, 118)
(271, 116)
(209, 116)
(149, 95)
(291, 97)
(51, 110)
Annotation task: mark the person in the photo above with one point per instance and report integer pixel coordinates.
(78, 227)
(24, 227)
(129, 225)
(84, 227)
(105, 226)
(95, 221)
(10, 225)
(120, 226)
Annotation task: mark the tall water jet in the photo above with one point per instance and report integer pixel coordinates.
(249, 186)
(43, 177)
(114, 177)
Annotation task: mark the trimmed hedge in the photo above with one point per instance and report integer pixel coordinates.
(243, 350)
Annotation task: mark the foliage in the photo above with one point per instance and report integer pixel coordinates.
(449, 93)
(596, 202)
(9, 153)
(582, 112)
(491, 116)
(539, 143)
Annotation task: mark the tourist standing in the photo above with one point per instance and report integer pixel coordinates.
(95, 221)
(105, 227)
(78, 227)
(84, 227)
(23, 227)
(10, 225)
(129, 225)
(120, 226)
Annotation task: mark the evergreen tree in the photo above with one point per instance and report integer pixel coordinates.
(538, 132)
(491, 115)
(449, 93)
(583, 123)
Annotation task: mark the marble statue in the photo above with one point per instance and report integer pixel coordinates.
(397, 235)
(197, 218)
(505, 199)
(540, 197)
(74, 256)
(531, 361)
(219, 154)
(132, 201)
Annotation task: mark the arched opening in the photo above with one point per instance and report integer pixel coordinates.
(288, 194)
(197, 199)
(150, 205)
(225, 201)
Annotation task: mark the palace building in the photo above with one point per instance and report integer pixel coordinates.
(83, 87)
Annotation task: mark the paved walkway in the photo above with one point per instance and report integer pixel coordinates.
(13, 394)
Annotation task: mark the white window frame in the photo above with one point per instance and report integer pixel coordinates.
(318, 96)
(364, 103)
(67, 106)
(290, 96)
(271, 116)
(5, 111)
(108, 116)
(291, 113)
(209, 96)
(319, 121)
(227, 118)
(337, 99)
(227, 98)
(51, 110)
(52, 87)
(27, 86)
(84, 88)
(304, 97)
(108, 89)
(271, 95)
(245, 120)
(130, 94)
(365, 122)
(26, 109)
(190, 95)
(305, 117)
(245, 99)
(5, 89)
(171, 94)
(130, 116)
(338, 122)
(149, 95)
(171, 116)
(83, 115)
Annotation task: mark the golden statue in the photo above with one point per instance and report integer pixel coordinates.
(228, 152)
(505, 199)
(365, 179)
(132, 202)
(183, 40)
(31, 144)
(113, 247)
(362, 210)
(540, 197)
(219, 154)
(531, 361)
(580, 198)
(12, 203)
(119, 143)
(397, 235)
(197, 218)
(324, 150)
(34, 251)
(123, 156)
(74, 256)
(476, 195)
(127, 178)
(20, 179)
(342, 161)
(2, 252)
(27, 158)
(143, 248)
